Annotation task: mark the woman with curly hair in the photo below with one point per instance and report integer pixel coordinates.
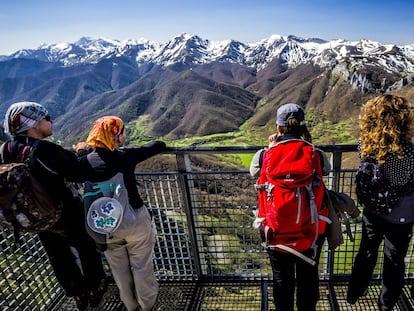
(386, 133)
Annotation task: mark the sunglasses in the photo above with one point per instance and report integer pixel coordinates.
(47, 118)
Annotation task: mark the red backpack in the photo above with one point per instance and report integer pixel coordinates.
(290, 196)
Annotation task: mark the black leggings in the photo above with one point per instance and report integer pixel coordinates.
(396, 239)
(64, 263)
(290, 272)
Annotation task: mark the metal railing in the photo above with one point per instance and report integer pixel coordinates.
(207, 253)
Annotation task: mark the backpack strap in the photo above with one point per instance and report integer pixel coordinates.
(26, 153)
(261, 157)
(20, 152)
(5, 152)
(103, 187)
(294, 252)
(29, 151)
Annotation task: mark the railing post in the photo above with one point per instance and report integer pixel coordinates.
(184, 167)
(336, 168)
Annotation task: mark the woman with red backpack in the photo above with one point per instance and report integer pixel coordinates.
(292, 216)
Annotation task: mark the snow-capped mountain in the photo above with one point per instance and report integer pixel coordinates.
(183, 87)
(191, 49)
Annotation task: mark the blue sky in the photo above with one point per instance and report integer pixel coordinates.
(30, 23)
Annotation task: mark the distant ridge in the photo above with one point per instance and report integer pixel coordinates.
(192, 86)
(191, 49)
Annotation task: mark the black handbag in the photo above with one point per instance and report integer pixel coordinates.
(403, 212)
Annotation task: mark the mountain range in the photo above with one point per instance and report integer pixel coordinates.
(190, 86)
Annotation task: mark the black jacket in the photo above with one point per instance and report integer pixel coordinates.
(101, 164)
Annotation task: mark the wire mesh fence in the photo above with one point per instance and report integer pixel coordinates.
(207, 255)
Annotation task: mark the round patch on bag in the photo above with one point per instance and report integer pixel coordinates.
(104, 215)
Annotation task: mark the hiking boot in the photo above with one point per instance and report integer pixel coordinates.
(81, 302)
(352, 298)
(95, 296)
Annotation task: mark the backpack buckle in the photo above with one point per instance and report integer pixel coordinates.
(269, 190)
(267, 187)
(260, 187)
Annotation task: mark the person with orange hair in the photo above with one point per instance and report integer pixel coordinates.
(129, 247)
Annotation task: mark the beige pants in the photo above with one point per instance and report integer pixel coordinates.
(129, 255)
